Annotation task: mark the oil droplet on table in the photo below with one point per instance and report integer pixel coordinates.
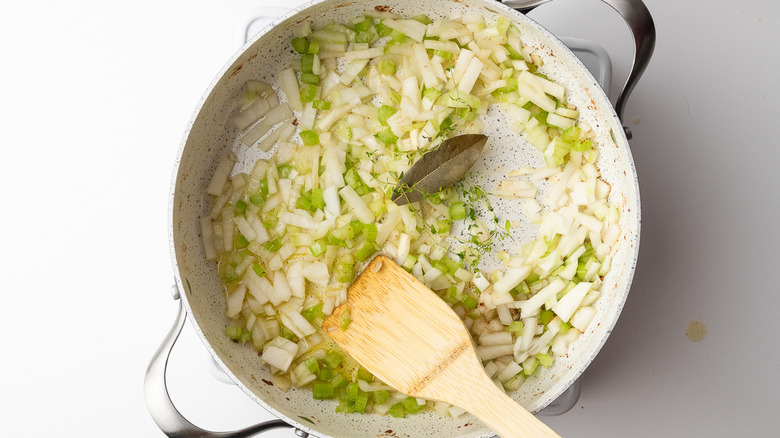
(695, 330)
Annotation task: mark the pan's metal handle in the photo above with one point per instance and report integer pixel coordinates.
(639, 20)
(159, 403)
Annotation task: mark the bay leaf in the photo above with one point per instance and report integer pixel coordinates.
(440, 168)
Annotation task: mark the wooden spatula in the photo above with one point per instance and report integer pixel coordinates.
(404, 334)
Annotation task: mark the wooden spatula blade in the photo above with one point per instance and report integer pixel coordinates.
(389, 307)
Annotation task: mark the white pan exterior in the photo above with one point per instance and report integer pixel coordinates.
(210, 136)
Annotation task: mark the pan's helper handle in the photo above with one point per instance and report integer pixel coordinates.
(159, 403)
(639, 20)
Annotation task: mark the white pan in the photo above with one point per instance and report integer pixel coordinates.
(210, 136)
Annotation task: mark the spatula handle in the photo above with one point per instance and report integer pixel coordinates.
(503, 415)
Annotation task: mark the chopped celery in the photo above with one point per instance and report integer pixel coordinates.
(338, 380)
(409, 262)
(273, 245)
(387, 137)
(422, 18)
(545, 360)
(314, 48)
(410, 403)
(364, 374)
(333, 359)
(529, 365)
(323, 391)
(321, 104)
(233, 332)
(370, 231)
(361, 401)
(310, 78)
(383, 30)
(325, 374)
(287, 334)
(319, 247)
(312, 314)
(513, 54)
(545, 316)
(307, 63)
(241, 242)
(257, 199)
(572, 134)
(511, 85)
(304, 202)
(469, 302)
(458, 210)
(344, 408)
(365, 37)
(431, 94)
(366, 251)
(381, 396)
(502, 25)
(443, 226)
(345, 269)
(240, 208)
(443, 54)
(397, 410)
(317, 200)
(259, 270)
(345, 320)
(285, 170)
(312, 365)
(452, 264)
(378, 207)
(309, 138)
(308, 92)
(516, 328)
(353, 390)
(438, 264)
(363, 23)
(229, 274)
(384, 113)
(300, 44)
(387, 67)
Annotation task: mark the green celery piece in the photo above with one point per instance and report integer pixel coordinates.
(259, 270)
(397, 410)
(333, 359)
(300, 44)
(312, 365)
(364, 374)
(457, 211)
(345, 320)
(353, 390)
(381, 396)
(323, 391)
(410, 403)
(241, 242)
(338, 380)
(469, 302)
(240, 208)
(384, 113)
(309, 137)
(545, 316)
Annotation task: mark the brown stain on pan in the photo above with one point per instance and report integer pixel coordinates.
(236, 70)
(381, 8)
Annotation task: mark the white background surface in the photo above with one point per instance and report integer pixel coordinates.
(95, 96)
